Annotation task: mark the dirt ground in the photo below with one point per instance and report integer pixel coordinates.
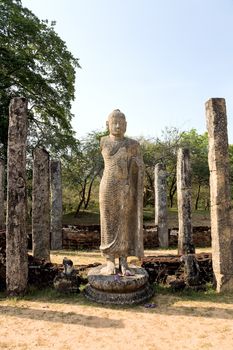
(176, 322)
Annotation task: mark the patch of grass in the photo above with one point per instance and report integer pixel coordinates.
(46, 293)
(92, 217)
(2, 295)
(164, 298)
(50, 295)
(209, 294)
(85, 217)
(149, 214)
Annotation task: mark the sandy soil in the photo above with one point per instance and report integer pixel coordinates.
(176, 322)
(90, 257)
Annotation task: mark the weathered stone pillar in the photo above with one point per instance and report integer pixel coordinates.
(16, 236)
(185, 239)
(221, 225)
(161, 204)
(41, 205)
(2, 212)
(56, 204)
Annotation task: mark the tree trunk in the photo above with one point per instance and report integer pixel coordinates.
(16, 235)
(151, 187)
(89, 193)
(197, 197)
(79, 207)
(82, 198)
(172, 191)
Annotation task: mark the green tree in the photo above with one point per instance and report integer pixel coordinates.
(82, 171)
(198, 145)
(150, 154)
(160, 150)
(35, 63)
(164, 150)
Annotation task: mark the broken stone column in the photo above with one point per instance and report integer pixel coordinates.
(220, 199)
(2, 212)
(41, 205)
(56, 204)
(16, 235)
(161, 204)
(185, 239)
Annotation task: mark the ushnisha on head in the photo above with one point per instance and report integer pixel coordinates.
(116, 124)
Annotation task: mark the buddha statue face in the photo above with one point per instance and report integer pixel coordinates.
(116, 124)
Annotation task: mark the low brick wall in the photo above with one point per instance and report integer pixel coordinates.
(88, 237)
(81, 237)
(201, 236)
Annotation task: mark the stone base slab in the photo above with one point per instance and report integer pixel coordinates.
(118, 289)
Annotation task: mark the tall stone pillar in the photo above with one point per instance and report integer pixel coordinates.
(16, 236)
(56, 204)
(161, 204)
(221, 225)
(185, 239)
(2, 212)
(41, 205)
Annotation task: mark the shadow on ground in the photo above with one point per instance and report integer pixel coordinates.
(59, 316)
(195, 304)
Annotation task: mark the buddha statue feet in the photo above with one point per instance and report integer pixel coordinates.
(109, 268)
(124, 268)
(128, 272)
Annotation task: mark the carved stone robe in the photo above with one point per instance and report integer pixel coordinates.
(121, 198)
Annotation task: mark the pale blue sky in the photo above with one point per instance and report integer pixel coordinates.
(156, 60)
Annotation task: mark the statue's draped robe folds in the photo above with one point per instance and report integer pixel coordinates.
(121, 198)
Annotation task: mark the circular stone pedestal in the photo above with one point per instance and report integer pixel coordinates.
(118, 289)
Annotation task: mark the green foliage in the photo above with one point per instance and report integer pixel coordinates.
(198, 145)
(160, 150)
(35, 63)
(81, 172)
(209, 295)
(85, 217)
(189, 294)
(148, 214)
(164, 150)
